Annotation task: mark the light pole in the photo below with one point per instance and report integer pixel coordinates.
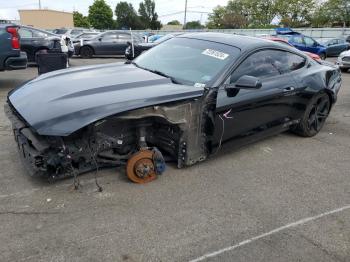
(39, 4)
(185, 17)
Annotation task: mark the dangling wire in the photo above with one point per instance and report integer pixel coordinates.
(93, 157)
(222, 134)
(223, 117)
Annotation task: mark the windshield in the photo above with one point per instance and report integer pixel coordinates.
(188, 61)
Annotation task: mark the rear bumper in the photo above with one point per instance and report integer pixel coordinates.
(16, 62)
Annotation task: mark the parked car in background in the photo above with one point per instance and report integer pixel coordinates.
(107, 43)
(140, 47)
(344, 61)
(347, 38)
(335, 46)
(184, 97)
(34, 41)
(302, 42)
(283, 41)
(72, 32)
(154, 38)
(11, 57)
(84, 36)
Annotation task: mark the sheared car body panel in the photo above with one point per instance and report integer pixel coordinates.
(182, 98)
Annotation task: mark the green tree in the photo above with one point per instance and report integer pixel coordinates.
(101, 15)
(228, 17)
(80, 20)
(148, 15)
(215, 19)
(332, 12)
(174, 22)
(296, 13)
(127, 16)
(259, 13)
(194, 25)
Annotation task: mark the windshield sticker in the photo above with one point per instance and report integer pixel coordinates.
(199, 85)
(215, 54)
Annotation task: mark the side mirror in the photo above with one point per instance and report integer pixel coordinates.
(244, 82)
(100, 39)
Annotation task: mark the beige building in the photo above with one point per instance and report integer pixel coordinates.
(46, 19)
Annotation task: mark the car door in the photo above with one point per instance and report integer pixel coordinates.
(311, 45)
(252, 110)
(332, 47)
(27, 42)
(122, 43)
(342, 46)
(106, 44)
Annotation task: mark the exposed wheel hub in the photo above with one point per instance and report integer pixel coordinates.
(144, 168)
(140, 168)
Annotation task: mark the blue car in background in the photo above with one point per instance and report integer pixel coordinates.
(336, 46)
(302, 42)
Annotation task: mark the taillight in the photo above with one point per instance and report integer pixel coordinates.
(14, 37)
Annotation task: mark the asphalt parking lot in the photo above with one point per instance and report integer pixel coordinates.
(285, 198)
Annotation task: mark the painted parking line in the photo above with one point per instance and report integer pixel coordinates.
(272, 232)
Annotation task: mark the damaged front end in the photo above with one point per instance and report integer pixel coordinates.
(182, 131)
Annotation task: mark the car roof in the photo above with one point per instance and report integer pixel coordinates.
(245, 43)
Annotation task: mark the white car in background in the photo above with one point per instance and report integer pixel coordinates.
(344, 61)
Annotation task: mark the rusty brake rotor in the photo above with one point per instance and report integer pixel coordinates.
(140, 168)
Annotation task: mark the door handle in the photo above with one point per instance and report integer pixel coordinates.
(289, 89)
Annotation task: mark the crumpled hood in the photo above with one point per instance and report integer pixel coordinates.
(61, 102)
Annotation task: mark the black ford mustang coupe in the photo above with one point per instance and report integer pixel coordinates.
(181, 99)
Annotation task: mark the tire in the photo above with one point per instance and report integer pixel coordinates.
(344, 70)
(86, 52)
(323, 56)
(129, 57)
(314, 116)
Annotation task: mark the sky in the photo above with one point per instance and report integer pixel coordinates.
(167, 9)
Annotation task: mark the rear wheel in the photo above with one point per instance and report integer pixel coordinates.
(86, 52)
(314, 117)
(323, 56)
(344, 70)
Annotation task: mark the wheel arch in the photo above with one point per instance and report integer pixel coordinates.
(88, 45)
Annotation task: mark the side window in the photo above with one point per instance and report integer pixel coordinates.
(109, 37)
(39, 34)
(309, 41)
(124, 37)
(294, 61)
(24, 33)
(298, 40)
(76, 32)
(268, 63)
(260, 64)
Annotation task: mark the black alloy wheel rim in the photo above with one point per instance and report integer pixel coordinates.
(318, 114)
